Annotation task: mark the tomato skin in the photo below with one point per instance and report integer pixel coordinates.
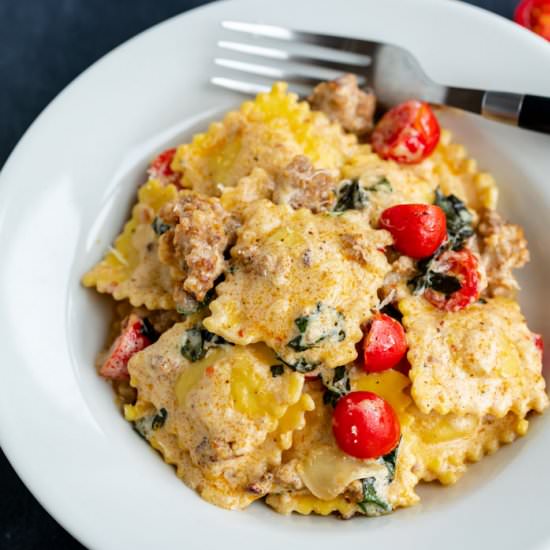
(161, 167)
(539, 342)
(131, 340)
(384, 345)
(463, 265)
(407, 133)
(365, 425)
(417, 229)
(535, 16)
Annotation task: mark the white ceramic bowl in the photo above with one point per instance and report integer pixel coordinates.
(64, 194)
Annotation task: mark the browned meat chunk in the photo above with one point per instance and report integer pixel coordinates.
(193, 247)
(343, 101)
(503, 248)
(301, 186)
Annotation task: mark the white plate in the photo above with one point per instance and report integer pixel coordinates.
(65, 193)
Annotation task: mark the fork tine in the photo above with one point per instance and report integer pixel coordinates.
(239, 85)
(268, 72)
(282, 55)
(354, 45)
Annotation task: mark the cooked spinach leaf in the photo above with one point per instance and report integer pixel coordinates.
(350, 196)
(459, 219)
(337, 387)
(192, 306)
(390, 461)
(324, 322)
(159, 419)
(277, 370)
(159, 227)
(429, 276)
(372, 504)
(148, 330)
(301, 365)
(196, 341)
(146, 424)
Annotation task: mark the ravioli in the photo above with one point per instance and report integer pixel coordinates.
(266, 133)
(131, 269)
(298, 285)
(252, 265)
(226, 410)
(480, 360)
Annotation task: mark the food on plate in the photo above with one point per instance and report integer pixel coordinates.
(318, 310)
(535, 16)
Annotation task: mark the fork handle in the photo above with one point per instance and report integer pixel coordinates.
(527, 111)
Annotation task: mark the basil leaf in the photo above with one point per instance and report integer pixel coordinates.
(148, 330)
(459, 219)
(196, 341)
(192, 347)
(350, 196)
(301, 366)
(277, 370)
(337, 387)
(372, 504)
(390, 461)
(324, 322)
(159, 419)
(159, 227)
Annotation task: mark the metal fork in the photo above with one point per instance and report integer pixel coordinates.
(392, 72)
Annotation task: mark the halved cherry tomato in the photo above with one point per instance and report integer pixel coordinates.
(365, 425)
(384, 345)
(463, 265)
(132, 339)
(417, 229)
(161, 168)
(407, 133)
(535, 16)
(539, 342)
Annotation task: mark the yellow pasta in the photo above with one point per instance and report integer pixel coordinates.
(292, 265)
(131, 269)
(267, 133)
(246, 280)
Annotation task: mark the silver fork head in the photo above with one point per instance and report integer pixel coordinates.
(391, 71)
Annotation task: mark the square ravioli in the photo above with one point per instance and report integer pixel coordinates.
(302, 283)
(230, 416)
(480, 360)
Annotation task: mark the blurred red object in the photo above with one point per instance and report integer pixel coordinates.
(535, 16)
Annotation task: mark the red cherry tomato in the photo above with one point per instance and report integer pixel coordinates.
(161, 168)
(365, 425)
(417, 229)
(408, 133)
(535, 16)
(539, 342)
(384, 345)
(132, 339)
(463, 265)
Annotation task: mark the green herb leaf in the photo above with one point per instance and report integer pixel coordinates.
(459, 219)
(159, 419)
(350, 196)
(301, 365)
(325, 322)
(148, 330)
(159, 227)
(390, 461)
(337, 387)
(277, 370)
(196, 341)
(192, 306)
(372, 504)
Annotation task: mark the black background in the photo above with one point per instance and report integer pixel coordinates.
(44, 44)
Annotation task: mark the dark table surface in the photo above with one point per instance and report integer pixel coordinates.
(44, 44)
